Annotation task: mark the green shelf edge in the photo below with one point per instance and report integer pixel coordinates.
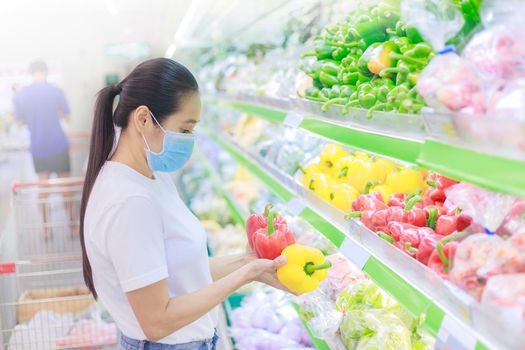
(318, 343)
(387, 146)
(504, 174)
(492, 172)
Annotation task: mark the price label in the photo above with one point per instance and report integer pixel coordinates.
(354, 252)
(454, 336)
(293, 119)
(295, 206)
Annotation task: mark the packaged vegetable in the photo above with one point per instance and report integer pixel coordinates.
(504, 297)
(471, 254)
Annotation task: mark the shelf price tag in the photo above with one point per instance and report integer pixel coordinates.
(293, 119)
(454, 336)
(295, 206)
(354, 252)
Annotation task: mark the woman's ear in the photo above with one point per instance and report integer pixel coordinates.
(141, 117)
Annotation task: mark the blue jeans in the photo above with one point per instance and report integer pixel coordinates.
(133, 344)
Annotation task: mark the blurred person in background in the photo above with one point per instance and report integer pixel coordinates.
(41, 105)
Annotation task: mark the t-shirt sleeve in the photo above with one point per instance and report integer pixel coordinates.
(135, 244)
(63, 106)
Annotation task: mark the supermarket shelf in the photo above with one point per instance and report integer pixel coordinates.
(318, 343)
(451, 315)
(398, 136)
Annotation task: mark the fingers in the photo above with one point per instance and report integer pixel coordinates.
(279, 261)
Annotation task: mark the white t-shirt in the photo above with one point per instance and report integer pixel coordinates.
(138, 231)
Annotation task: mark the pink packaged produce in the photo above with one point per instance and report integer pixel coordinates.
(505, 258)
(471, 254)
(514, 222)
(504, 295)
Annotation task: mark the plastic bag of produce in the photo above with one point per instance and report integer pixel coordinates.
(436, 20)
(374, 329)
(363, 294)
(451, 82)
(472, 254)
(486, 208)
(505, 258)
(322, 317)
(504, 297)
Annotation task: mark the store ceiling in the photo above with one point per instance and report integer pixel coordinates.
(53, 28)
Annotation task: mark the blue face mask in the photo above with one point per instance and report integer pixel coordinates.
(176, 151)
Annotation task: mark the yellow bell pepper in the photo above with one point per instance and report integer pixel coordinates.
(340, 168)
(330, 154)
(361, 155)
(305, 268)
(308, 172)
(405, 180)
(322, 185)
(342, 197)
(383, 167)
(384, 190)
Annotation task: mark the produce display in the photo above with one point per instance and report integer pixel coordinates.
(349, 311)
(459, 66)
(340, 177)
(372, 60)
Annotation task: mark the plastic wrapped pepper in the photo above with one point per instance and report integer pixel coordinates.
(372, 202)
(270, 241)
(377, 57)
(439, 260)
(305, 268)
(375, 187)
(366, 219)
(410, 239)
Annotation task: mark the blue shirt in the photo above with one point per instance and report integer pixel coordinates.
(38, 106)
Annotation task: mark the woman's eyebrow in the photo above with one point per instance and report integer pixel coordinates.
(191, 121)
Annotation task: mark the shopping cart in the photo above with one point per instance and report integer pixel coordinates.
(45, 305)
(47, 218)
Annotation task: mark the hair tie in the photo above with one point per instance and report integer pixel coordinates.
(117, 89)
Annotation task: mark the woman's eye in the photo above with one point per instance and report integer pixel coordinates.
(186, 131)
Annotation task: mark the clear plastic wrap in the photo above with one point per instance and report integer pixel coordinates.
(486, 208)
(322, 317)
(449, 81)
(504, 296)
(361, 295)
(504, 259)
(436, 20)
(472, 254)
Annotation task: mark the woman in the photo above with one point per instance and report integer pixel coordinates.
(144, 252)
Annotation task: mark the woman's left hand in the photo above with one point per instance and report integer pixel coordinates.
(269, 277)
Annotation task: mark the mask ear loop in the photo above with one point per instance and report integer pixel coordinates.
(160, 126)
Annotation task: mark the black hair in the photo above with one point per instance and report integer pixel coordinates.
(38, 67)
(160, 84)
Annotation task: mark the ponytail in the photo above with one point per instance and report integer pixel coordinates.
(102, 135)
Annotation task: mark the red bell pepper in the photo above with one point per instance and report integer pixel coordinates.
(372, 201)
(381, 218)
(417, 217)
(439, 260)
(257, 221)
(396, 229)
(397, 200)
(270, 241)
(427, 246)
(366, 218)
(448, 224)
(439, 181)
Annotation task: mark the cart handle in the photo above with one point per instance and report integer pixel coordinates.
(68, 181)
(8, 267)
